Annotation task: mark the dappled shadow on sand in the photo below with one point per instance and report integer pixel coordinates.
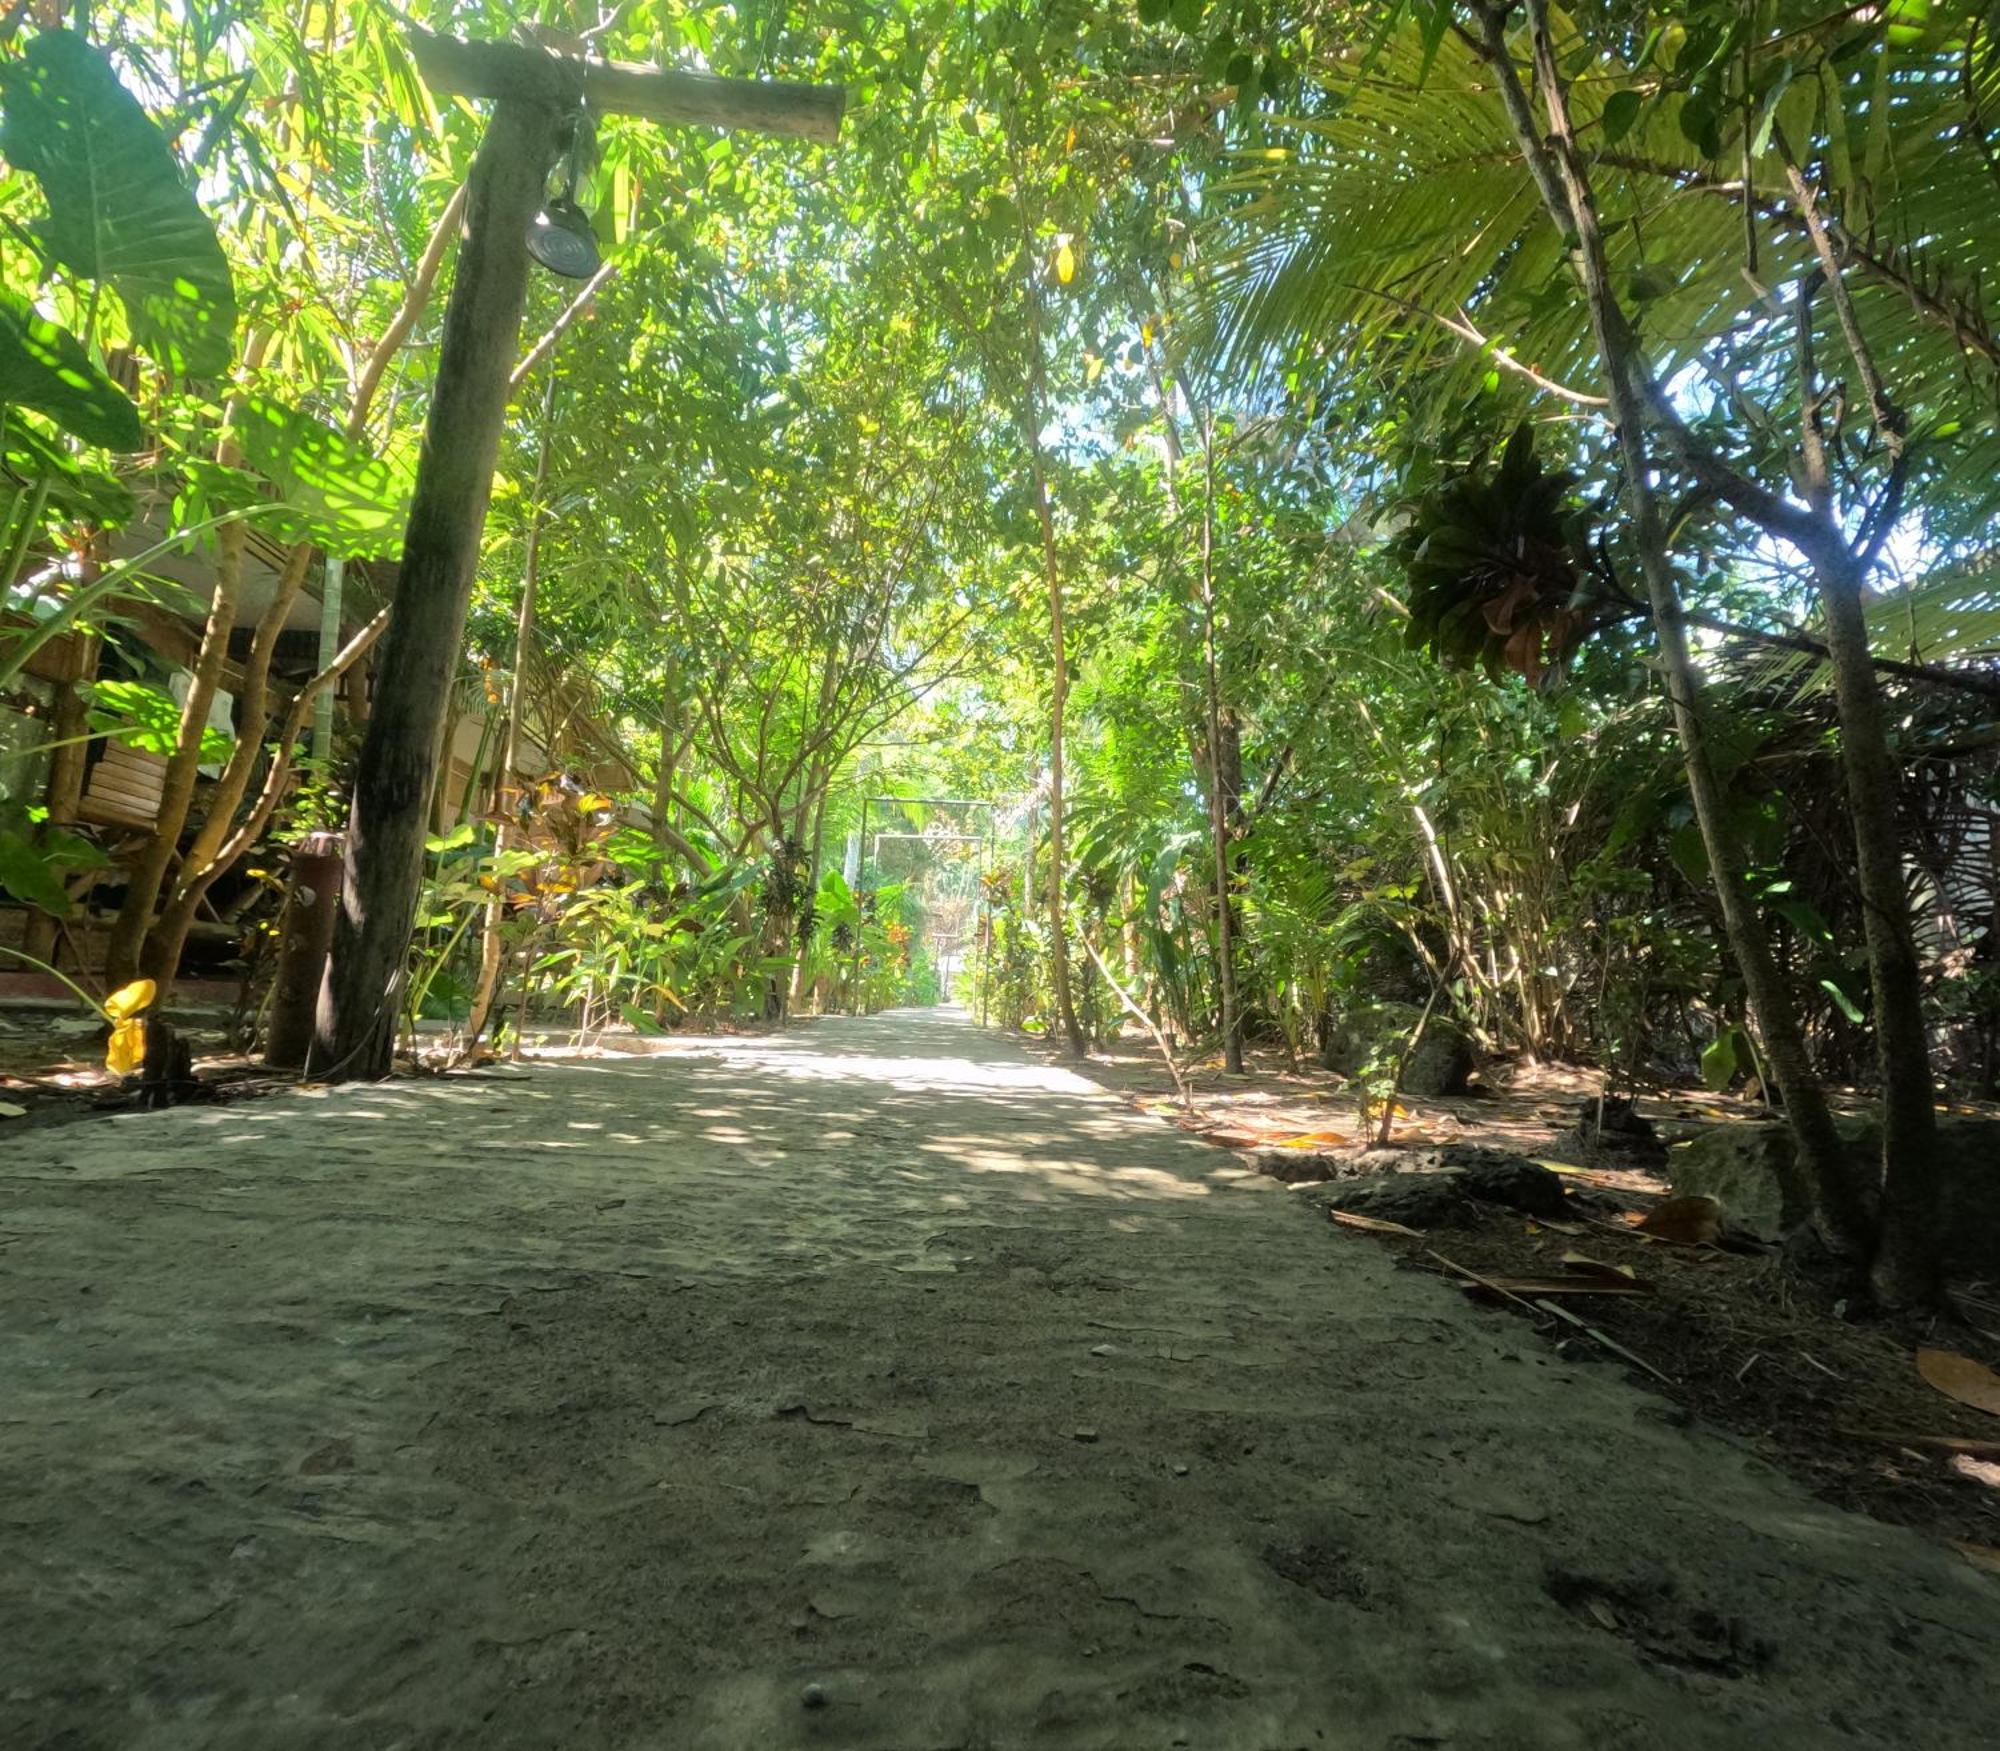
(864, 1385)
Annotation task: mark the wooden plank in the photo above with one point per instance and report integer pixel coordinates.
(659, 94)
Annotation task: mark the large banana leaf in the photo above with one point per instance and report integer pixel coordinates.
(339, 493)
(119, 213)
(44, 366)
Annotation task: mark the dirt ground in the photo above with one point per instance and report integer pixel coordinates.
(1736, 1333)
(872, 1385)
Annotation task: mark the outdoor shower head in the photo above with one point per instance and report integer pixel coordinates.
(562, 240)
(561, 237)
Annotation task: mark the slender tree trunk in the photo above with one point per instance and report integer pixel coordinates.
(1565, 192)
(1059, 670)
(1906, 1267)
(399, 755)
(149, 871)
(1218, 803)
(510, 739)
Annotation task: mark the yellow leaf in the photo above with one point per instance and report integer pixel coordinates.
(1069, 140)
(1145, 334)
(128, 1000)
(1065, 264)
(127, 1050)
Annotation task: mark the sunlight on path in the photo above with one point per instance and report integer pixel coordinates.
(868, 1385)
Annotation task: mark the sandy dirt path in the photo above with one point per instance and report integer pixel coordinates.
(870, 1385)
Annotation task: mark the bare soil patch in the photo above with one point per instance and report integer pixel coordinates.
(1826, 1392)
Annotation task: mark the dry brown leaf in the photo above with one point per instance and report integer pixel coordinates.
(1962, 1378)
(1312, 1140)
(1693, 1219)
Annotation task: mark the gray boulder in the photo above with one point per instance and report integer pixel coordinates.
(1376, 1033)
(1752, 1170)
(1442, 1188)
(1417, 1200)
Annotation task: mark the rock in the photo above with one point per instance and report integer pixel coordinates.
(813, 1696)
(1295, 1167)
(1497, 1176)
(1751, 1170)
(1626, 1139)
(1442, 1062)
(1376, 1033)
(1417, 1200)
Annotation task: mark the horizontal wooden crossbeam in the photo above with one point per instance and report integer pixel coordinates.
(659, 94)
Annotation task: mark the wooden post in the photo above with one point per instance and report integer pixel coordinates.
(356, 1025)
(535, 93)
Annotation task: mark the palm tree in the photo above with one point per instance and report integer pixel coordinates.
(1689, 247)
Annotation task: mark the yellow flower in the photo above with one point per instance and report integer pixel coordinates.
(128, 1000)
(127, 1050)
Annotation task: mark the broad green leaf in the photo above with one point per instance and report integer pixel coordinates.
(44, 366)
(1718, 1063)
(28, 875)
(119, 213)
(1844, 1003)
(145, 718)
(86, 494)
(1621, 111)
(348, 499)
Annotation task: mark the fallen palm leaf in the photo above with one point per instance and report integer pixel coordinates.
(1693, 1219)
(1583, 1265)
(1580, 1285)
(1373, 1224)
(1962, 1378)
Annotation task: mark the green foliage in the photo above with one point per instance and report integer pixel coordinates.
(34, 865)
(44, 366)
(118, 213)
(145, 718)
(336, 494)
(1490, 568)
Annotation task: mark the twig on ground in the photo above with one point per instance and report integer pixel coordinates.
(1617, 1349)
(1483, 1282)
(1146, 1021)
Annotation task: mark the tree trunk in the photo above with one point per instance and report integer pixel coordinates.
(1225, 774)
(1905, 1269)
(355, 1034)
(1565, 192)
(510, 740)
(149, 871)
(1058, 679)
